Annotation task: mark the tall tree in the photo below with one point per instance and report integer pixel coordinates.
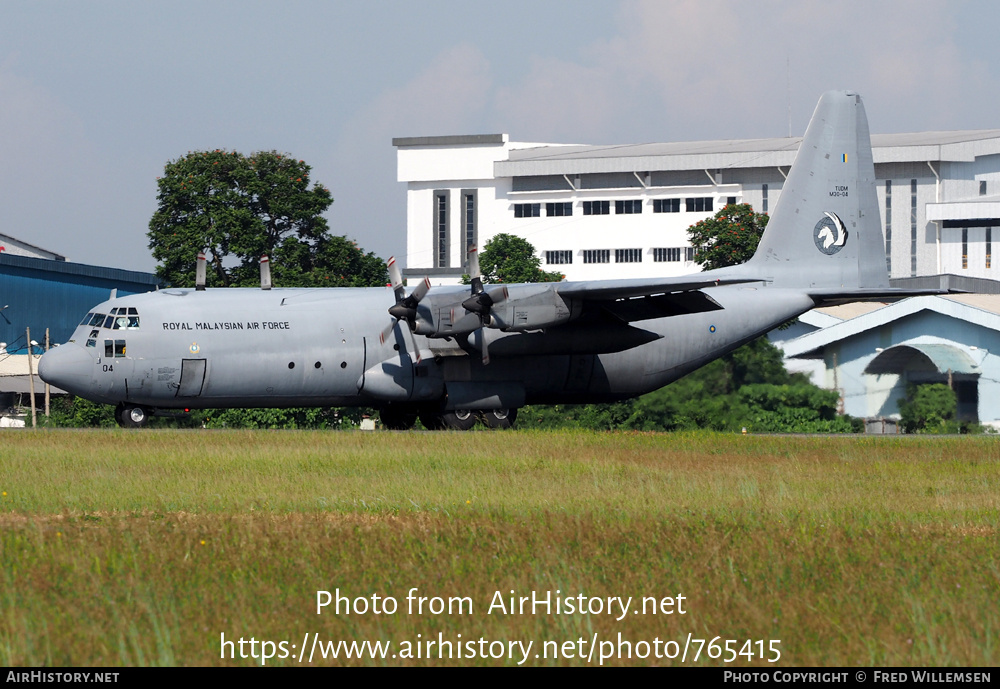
(729, 237)
(239, 208)
(511, 259)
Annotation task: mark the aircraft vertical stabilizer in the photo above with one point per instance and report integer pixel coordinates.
(826, 230)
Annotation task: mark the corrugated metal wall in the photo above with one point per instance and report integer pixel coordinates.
(42, 294)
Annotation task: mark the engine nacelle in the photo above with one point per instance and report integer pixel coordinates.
(525, 307)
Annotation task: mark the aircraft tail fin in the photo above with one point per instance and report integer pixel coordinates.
(826, 231)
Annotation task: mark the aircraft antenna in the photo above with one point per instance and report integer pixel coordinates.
(199, 273)
(265, 272)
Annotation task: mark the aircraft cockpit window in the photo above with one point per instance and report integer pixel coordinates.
(109, 321)
(123, 318)
(94, 334)
(91, 343)
(86, 320)
(109, 348)
(119, 348)
(96, 320)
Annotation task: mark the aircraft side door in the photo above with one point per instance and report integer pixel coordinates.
(192, 377)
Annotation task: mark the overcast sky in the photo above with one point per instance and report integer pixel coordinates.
(95, 97)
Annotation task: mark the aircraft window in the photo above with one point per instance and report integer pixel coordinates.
(119, 348)
(109, 348)
(121, 322)
(109, 321)
(133, 321)
(91, 343)
(132, 311)
(86, 320)
(96, 321)
(94, 333)
(114, 311)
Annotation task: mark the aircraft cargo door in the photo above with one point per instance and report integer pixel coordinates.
(192, 377)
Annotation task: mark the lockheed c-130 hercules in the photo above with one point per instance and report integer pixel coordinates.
(453, 355)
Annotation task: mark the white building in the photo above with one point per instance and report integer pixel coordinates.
(623, 211)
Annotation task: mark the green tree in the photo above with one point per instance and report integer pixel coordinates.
(929, 408)
(240, 208)
(510, 259)
(729, 237)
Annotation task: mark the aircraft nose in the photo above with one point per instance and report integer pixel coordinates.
(67, 367)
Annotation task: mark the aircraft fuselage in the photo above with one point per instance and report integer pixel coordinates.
(321, 347)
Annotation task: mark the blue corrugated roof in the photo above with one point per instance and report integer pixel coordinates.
(55, 295)
(79, 269)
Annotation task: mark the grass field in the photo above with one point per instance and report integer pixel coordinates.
(144, 548)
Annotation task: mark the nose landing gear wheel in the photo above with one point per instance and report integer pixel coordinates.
(131, 416)
(500, 419)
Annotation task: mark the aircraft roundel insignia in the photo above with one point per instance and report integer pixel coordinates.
(830, 234)
(711, 328)
(194, 348)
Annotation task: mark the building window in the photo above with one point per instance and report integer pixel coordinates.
(982, 187)
(630, 207)
(913, 228)
(596, 207)
(888, 226)
(527, 210)
(668, 255)
(558, 209)
(558, 257)
(730, 200)
(441, 229)
(699, 204)
(989, 247)
(666, 205)
(763, 194)
(965, 247)
(628, 255)
(469, 223)
(689, 253)
(596, 255)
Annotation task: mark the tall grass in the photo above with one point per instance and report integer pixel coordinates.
(142, 548)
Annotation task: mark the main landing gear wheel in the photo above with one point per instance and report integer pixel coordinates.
(457, 420)
(500, 419)
(394, 419)
(131, 416)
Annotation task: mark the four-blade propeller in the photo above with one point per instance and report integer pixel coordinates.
(480, 304)
(405, 308)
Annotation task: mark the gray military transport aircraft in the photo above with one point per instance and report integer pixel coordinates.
(453, 355)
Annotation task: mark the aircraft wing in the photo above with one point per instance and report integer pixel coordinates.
(641, 299)
(602, 290)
